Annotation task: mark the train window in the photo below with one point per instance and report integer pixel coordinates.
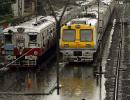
(68, 9)
(90, 15)
(69, 35)
(8, 38)
(78, 22)
(86, 35)
(33, 38)
(53, 29)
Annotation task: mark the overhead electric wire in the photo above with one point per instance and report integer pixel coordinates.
(6, 67)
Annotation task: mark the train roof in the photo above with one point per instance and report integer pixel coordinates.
(87, 21)
(87, 2)
(107, 1)
(94, 9)
(34, 25)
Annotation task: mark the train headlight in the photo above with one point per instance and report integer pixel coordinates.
(66, 53)
(88, 46)
(77, 26)
(85, 53)
(35, 53)
(9, 57)
(66, 46)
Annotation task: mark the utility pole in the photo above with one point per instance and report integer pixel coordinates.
(98, 14)
(100, 52)
(36, 9)
(20, 8)
(57, 45)
(58, 25)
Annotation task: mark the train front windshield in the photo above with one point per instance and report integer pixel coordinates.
(78, 22)
(69, 35)
(8, 38)
(33, 38)
(86, 35)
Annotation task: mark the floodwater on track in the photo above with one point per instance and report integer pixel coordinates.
(77, 82)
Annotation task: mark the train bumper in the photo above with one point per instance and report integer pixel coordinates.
(26, 61)
(78, 55)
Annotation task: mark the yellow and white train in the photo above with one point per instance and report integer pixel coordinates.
(79, 39)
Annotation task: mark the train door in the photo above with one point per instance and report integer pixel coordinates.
(8, 46)
(1, 43)
(50, 34)
(42, 40)
(44, 37)
(8, 38)
(33, 40)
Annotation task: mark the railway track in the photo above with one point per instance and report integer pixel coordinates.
(117, 69)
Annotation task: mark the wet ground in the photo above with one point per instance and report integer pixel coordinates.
(77, 82)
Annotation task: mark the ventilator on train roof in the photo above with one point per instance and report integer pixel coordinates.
(87, 21)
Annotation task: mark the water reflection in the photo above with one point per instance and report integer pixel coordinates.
(78, 83)
(28, 81)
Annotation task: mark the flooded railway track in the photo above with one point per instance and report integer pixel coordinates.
(118, 64)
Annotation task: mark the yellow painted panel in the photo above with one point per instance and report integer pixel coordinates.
(77, 43)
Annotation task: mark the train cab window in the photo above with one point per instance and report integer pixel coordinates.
(90, 15)
(69, 35)
(8, 38)
(33, 38)
(86, 35)
(78, 22)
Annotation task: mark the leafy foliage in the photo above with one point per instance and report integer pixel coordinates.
(5, 10)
